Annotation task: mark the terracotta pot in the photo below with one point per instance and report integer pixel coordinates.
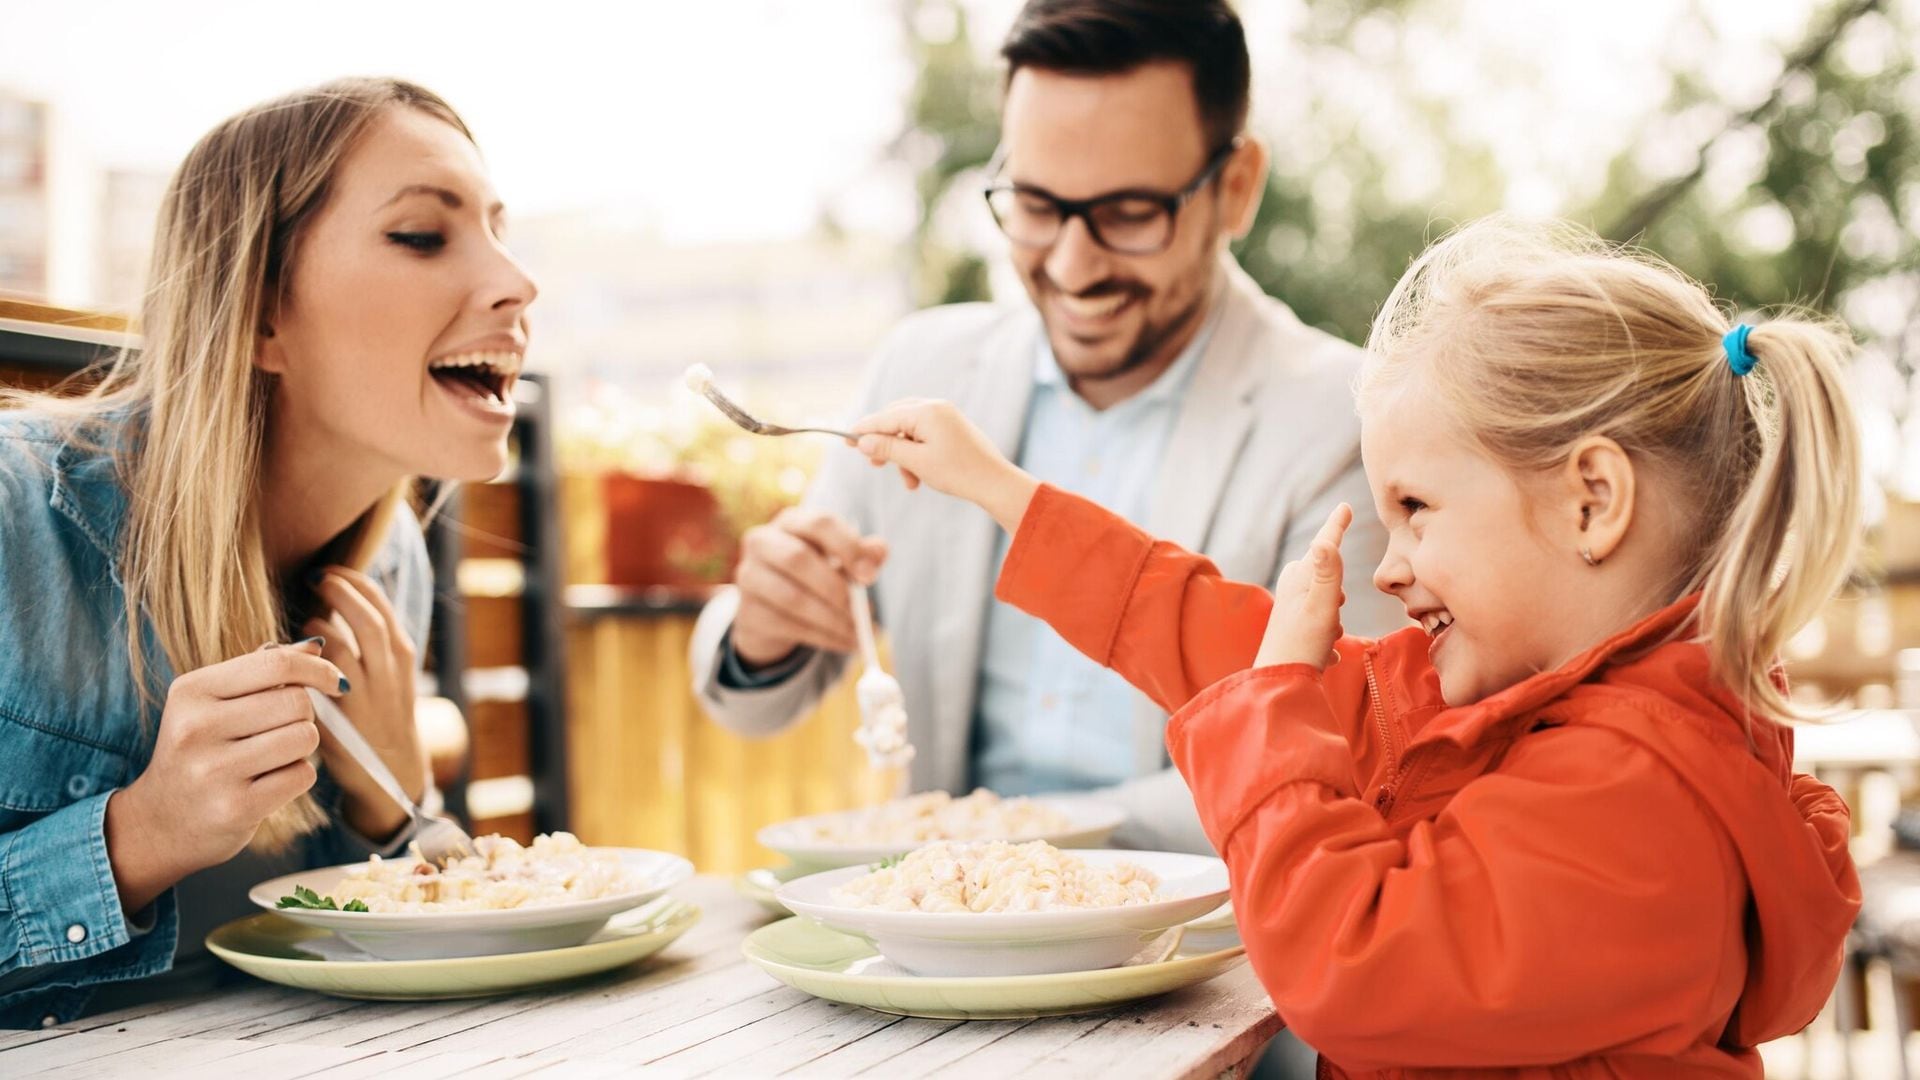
(663, 532)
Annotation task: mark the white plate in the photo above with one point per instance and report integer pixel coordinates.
(1020, 942)
(434, 935)
(1089, 824)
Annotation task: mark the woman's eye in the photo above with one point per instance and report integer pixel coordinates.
(419, 241)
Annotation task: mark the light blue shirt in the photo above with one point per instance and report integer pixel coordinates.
(1048, 718)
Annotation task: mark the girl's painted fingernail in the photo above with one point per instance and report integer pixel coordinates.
(315, 640)
(345, 686)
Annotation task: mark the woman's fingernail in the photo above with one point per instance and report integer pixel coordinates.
(345, 686)
(315, 640)
(315, 577)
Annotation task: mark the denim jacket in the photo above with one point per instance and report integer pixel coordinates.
(71, 731)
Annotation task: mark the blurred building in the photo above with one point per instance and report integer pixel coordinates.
(24, 214)
(129, 206)
(790, 321)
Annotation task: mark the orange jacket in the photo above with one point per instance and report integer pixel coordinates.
(1591, 873)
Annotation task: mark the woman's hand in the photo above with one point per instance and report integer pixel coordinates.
(232, 748)
(366, 639)
(935, 445)
(1306, 602)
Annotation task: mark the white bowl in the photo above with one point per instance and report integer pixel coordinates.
(436, 935)
(1020, 942)
(1089, 824)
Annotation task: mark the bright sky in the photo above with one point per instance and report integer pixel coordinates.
(731, 119)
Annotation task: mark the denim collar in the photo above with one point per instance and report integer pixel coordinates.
(88, 488)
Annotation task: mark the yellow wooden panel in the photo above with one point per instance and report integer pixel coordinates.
(648, 769)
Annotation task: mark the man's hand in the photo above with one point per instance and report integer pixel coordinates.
(792, 580)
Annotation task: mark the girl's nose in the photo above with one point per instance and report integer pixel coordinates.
(1394, 572)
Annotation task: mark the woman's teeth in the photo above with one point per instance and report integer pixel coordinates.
(488, 375)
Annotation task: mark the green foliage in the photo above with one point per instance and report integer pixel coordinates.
(1825, 208)
(307, 899)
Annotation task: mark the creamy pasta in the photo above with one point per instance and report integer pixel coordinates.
(998, 876)
(936, 815)
(500, 874)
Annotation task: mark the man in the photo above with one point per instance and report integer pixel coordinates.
(1148, 373)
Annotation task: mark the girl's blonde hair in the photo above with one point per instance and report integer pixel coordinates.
(185, 415)
(1537, 335)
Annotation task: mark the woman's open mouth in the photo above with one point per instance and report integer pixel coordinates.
(480, 380)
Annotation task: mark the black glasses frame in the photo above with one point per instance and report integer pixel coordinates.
(1068, 209)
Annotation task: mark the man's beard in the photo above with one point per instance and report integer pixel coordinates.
(1152, 338)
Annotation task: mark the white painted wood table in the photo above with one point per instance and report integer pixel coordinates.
(696, 1009)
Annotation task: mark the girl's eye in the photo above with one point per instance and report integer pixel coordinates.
(1412, 505)
(427, 242)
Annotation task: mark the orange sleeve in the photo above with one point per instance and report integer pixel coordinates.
(1516, 928)
(1156, 613)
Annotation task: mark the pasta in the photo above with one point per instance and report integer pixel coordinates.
(998, 876)
(500, 874)
(936, 815)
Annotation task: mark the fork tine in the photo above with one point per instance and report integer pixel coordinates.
(733, 412)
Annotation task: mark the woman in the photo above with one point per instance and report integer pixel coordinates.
(331, 313)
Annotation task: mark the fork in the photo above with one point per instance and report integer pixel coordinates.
(700, 381)
(883, 709)
(437, 839)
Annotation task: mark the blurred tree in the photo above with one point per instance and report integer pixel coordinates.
(1808, 193)
(953, 125)
(1807, 197)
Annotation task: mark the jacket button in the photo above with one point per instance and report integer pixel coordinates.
(49, 1020)
(76, 933)
(78, 786)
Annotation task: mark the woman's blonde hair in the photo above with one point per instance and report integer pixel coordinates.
(1536, 335)
(186, 413)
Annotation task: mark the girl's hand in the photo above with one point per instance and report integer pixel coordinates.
(1306, 602)
(937, 446)
(231, 749)
(366, 639)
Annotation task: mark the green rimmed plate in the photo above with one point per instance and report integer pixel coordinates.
(759, 885)
(840, 967)
(282, 951)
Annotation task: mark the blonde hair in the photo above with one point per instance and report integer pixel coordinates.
(185, 415)
(1536, 335)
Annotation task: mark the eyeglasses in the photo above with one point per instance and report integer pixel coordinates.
(1131, 222)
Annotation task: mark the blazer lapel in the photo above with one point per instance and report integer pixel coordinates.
(1215, 418)
(1000, 388)
(1208, 437)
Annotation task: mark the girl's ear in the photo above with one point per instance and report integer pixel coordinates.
(1600, 477)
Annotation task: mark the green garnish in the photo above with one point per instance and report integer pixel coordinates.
(306, 898)
(888, 864)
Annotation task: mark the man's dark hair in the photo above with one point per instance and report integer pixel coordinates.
(1108, 37)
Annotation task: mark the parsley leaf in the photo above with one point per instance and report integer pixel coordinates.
(309, 900)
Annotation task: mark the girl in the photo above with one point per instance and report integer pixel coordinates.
(331, 312)
(1554, 829)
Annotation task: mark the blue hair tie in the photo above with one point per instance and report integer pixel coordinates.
(1738, 358)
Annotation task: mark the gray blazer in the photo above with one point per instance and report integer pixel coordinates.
(1265, 445)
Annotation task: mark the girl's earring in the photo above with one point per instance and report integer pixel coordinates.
(1587, 554)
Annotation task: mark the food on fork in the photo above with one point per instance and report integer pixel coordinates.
(699, 377)
(556, 869)
(997, 876)
(936, 815)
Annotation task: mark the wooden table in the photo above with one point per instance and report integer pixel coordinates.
(696, 1009)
